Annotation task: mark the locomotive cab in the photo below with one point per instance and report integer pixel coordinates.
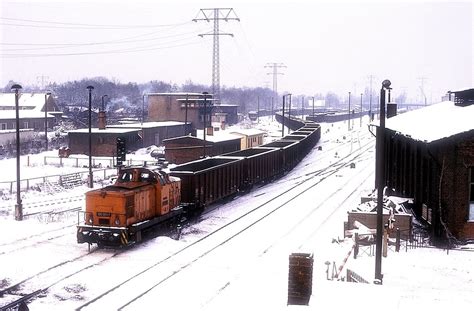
(141, 197)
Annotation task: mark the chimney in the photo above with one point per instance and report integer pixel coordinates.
(210, 131)
(102, 120)
(391, 110)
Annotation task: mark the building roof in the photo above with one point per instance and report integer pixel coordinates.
(434, 122)
(248, 132)
(30, 105)
(218, 136)
(105, 131)
(176, 94)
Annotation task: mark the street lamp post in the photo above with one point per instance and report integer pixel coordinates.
(349, 115)
(205, 122)
(380, 181)
(46, 118)
(18, 206)
(313, 108)
(289, 113)
(361, 114)
(283, 118)
(143, 109)
(91, 179)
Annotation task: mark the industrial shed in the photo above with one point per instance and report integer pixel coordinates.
(189, 148)
(430, 158)
(153, 133)
(104, 141)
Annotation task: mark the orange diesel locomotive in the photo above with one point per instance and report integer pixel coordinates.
(140, 198)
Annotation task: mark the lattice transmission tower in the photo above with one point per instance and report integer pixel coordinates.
(216, 15)
(275, 73)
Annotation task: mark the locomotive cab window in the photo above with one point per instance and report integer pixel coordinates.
(147, 177)
(126, 176)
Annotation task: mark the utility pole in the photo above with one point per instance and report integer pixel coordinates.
(302, 107)
(258, 109)
(275, 73)
(422, 88)
(42, 80)
(289, 114)
(349, 115)
(361, 109)
(371, 77)
(216, 15)
(313, 108)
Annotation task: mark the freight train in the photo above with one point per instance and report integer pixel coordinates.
(145, 197)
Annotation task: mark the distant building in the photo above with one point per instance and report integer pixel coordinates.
(189, 107)
(31, 111)
(430, 158)
(135, 135)
(189, 148)
(104, 141)
(153, 133)
(250, 137)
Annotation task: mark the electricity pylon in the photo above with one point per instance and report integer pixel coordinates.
(275, 74)
(216, 15)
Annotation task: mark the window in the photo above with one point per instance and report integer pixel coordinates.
(3, 126)
(471, 194)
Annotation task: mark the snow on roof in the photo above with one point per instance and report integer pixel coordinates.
(218, 136)
(433, 122)
(35, 100)
(248, 132)
(176, 94)
(146, 124)
(107, 130)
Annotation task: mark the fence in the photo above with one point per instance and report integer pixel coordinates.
(97, 162)
(36, 182)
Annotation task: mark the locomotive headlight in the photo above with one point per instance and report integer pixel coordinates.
(117, 221)
(91, 219)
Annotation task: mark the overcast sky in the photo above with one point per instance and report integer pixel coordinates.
(325, 45)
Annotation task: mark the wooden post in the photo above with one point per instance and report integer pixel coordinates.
(397, 243)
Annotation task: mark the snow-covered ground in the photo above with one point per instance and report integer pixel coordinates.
(236, 270)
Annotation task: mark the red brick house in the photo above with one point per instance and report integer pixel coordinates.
(430, 158)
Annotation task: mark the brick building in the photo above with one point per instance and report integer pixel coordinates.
(430, 158)
(180, 107)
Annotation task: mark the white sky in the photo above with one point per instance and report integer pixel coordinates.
(326, 45)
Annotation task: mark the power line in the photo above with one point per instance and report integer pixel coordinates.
(216, 15)
(49, 24)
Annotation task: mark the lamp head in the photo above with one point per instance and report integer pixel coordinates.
(90, 87)
(16, 87)
(386, 84)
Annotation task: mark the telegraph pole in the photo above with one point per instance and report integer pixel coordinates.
(275, 73)
(216, 15)
(371, 77)
(422, 88)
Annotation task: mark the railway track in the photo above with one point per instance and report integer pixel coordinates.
(52, 206)
(51, 276)
(210, 243)
(184, 252)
